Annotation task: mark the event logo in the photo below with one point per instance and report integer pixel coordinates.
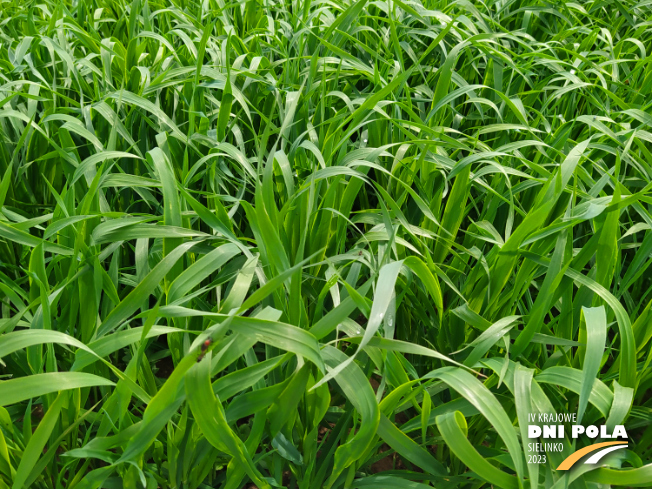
(549, 427)
(607, 447)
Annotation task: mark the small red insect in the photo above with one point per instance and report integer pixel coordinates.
(204, 347)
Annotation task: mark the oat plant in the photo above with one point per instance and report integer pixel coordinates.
(317, 244)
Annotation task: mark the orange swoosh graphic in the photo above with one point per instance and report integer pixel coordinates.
(568, 463)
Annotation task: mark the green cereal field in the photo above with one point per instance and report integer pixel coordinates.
(325, 244)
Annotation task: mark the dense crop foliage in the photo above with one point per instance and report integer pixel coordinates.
(317, 244)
